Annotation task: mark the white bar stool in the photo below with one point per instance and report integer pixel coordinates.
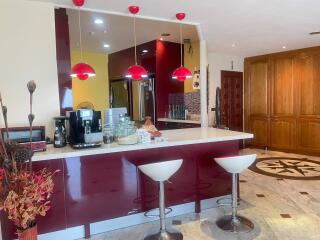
(160, 172)
(235, 165)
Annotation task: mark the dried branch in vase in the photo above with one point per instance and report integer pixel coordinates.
(24, 194)
(31, 87)
(5, 117)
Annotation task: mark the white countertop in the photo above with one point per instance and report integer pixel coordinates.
(177, 120)
(174, 138)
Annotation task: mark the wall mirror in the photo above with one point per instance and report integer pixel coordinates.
(107, 43)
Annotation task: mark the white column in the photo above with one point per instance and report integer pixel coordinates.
(203, 83)
(203, 77)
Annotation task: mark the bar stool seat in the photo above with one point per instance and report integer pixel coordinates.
(235, 165)
(160, 172)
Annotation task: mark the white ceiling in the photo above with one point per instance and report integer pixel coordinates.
(117, 31)
(255, 26)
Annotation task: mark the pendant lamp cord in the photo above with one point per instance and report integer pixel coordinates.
(181, 42)
(80, 36)
(135, 39)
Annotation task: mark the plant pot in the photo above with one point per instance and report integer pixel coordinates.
(29, 234)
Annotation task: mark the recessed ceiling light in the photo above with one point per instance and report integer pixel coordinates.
(233, 45)
(145, 51)
(284, 47)
(98, 21)
(106, 45)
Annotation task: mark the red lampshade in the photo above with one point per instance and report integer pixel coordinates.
(134, 9)
(180, 16)
(136, 72)
(82, 71)
(181, 74)
(78, 3)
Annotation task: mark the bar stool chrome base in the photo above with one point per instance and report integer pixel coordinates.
(165, 235)
(235, 165)
(161, 172)
(240, 225)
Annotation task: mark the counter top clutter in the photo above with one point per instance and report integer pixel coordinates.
(169, 138)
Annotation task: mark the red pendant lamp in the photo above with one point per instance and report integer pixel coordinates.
(81, 70)
(182, 73)
(136, 72)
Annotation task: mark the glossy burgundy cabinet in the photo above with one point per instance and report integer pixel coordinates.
(95, 188)
(63, 59)
(168, 59)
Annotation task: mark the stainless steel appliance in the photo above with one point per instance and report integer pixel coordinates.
(138, 97)
(85, 128)
(145, 103)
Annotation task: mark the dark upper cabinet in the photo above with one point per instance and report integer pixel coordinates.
(168, 58)
(160, 61)
(63, 59)
(119, 62)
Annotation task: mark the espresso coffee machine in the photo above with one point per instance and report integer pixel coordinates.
(85, 128)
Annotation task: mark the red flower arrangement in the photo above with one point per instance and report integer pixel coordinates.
(24, 194)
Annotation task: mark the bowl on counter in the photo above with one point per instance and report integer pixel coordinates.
(129, 140)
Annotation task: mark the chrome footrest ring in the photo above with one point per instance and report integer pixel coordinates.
(146, 214)
(220, 204)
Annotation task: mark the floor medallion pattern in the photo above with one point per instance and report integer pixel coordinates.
(288, 167)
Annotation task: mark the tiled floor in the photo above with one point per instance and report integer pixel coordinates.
(281, 209)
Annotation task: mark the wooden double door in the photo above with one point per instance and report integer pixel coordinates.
(282, 100)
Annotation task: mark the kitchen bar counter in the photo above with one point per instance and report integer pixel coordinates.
(99, 190)
(172, 138)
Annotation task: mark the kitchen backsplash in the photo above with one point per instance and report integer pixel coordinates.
(190, 100)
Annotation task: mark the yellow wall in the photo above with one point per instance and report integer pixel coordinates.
(94, 90)
(191, 61)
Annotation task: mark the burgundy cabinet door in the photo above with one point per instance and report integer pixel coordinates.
(168, 59)
(213, 180)
(99, 187)
(180, 189)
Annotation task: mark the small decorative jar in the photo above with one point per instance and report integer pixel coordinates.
(108, 134)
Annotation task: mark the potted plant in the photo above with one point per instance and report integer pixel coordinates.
(24, 193)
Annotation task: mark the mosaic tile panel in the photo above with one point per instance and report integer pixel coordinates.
(190, 100)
